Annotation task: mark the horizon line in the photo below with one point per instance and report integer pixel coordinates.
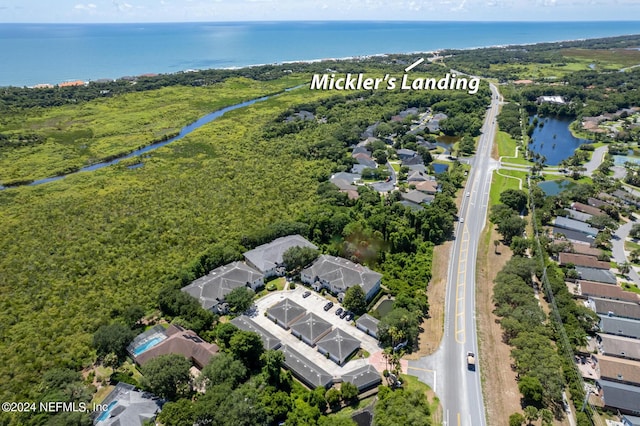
(337, 20)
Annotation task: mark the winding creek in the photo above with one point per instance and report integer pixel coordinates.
(152, 147)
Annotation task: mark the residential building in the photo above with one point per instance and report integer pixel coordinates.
(417, 197)
(585, 208)
(575, 237)
(285, 313)
(615, 308)
(127, 406)
(622, 347)
(576, 225)
(582, 260)
(429, 187)
(177, 340)
(576, 215)
(337, 275)
(338, 346)
(364, 378)
(620, 326)
(310, 328)
(368, 324)
(619, 370)
(597, 275)
(304, 370)
(212, 289)
(618, 396)
(628, 420)
(269, 341)
(413, 161)
(267, 258)
(405, 154)
(606, 291)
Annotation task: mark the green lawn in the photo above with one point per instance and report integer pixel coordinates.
(631, 287)
(499, 184)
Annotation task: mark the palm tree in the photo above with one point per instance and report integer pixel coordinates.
(624, 267)
(547, 417)
(531, 414)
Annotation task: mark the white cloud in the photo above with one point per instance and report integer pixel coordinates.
(459, 7)
(89, 6)
(122, 6)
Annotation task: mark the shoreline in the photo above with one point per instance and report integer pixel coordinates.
(431, 51)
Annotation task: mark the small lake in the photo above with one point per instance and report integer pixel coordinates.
(439, 168)
(554, 187)
(619, 160)
(554, 139)
(384, 307)
(447, 143)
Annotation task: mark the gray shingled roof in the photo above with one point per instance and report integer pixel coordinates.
(214, 287)
(286, 312)
(344, 272)
(130, 407)
(620, 326)
(582, 217)
(311, 327)
(576, 225)
(574, 235)
(417, 197)
(617, 308)
(245, 323)
(349, 177)
(367, 322)
(620, 396)
(619, 346)
(364, 377)
(631, 420)
(339, 344)
(597, 275)
(268, 256)
(306, 371)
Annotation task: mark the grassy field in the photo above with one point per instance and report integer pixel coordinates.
(605, 58)
(73, 136)
(500, 183)
(507, 148)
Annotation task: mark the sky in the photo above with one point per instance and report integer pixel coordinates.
(94, 11)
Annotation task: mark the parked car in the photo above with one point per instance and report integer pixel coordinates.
(344, 313)
(349, 316)
(306, 294)
(328, 306)
(339, 311)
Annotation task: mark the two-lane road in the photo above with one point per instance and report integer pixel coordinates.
(446, 370)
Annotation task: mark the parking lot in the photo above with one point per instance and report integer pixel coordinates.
(314, 303)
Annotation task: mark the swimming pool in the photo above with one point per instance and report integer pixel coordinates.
(147, 345)
(105, 413)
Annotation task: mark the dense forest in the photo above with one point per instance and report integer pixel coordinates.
(94, 249)
(94, 252)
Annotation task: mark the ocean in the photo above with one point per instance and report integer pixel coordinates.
(54, 53)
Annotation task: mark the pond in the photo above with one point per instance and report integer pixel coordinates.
(554, 187)
(439, 168)
(619, 160)
(384, 307)
(553, 139)
(447, 143)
